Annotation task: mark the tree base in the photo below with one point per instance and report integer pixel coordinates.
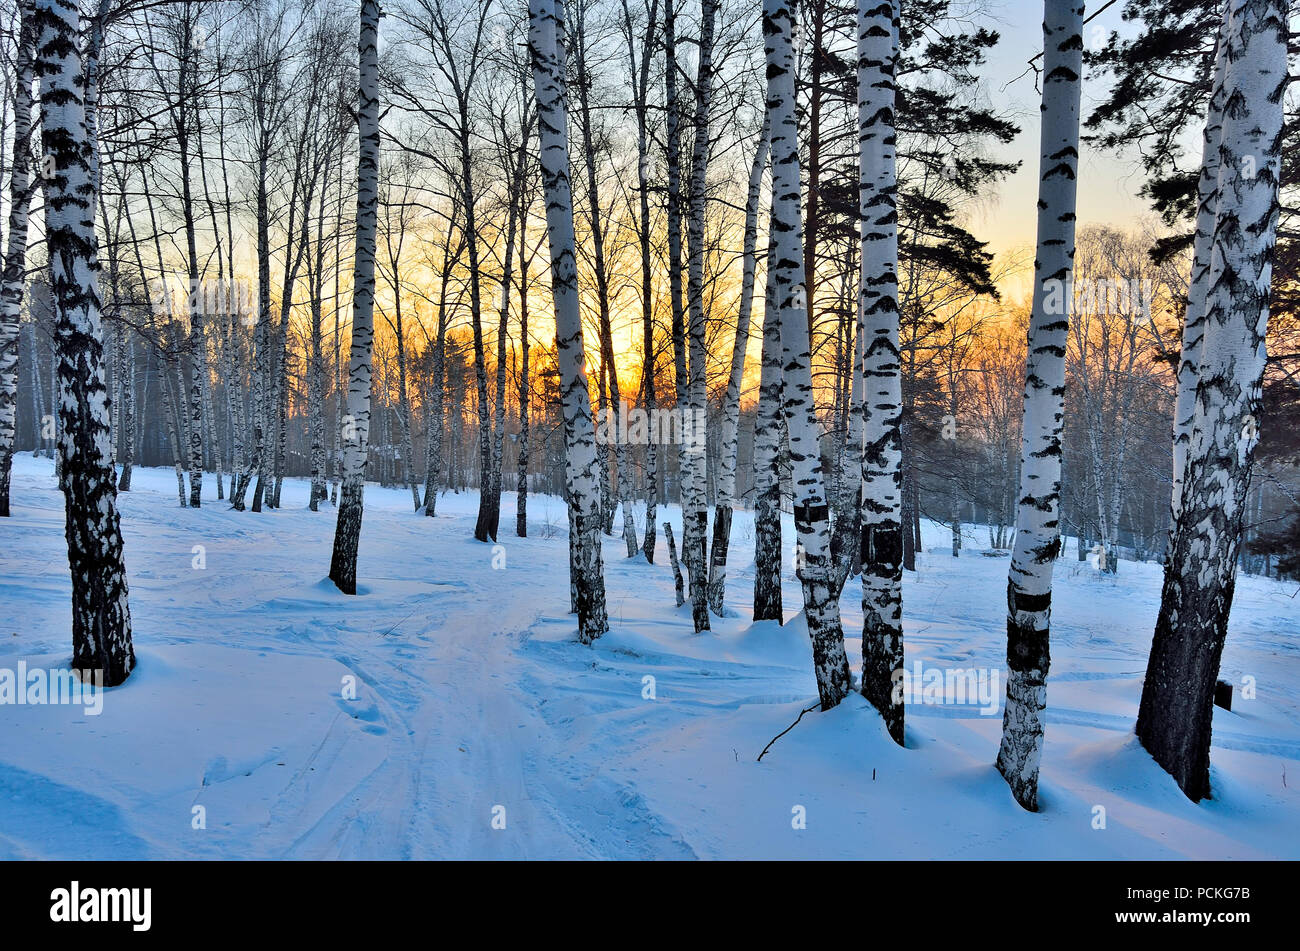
(718, 565)
(830, 660)
(882, 665)
(1021, 749)
(347, 540)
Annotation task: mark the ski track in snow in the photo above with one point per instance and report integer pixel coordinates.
(473, 693)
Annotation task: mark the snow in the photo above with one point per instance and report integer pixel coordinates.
(472, 693)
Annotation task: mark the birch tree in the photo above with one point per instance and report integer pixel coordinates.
(1175, 714)
(265, 100)
(545, 41)
(101, 614)
(811, 509)
(583, 44)
(673, 184)
(347, 532)
(525, 345)
(767, 459)
(882, 477)
(457, 39)
(1038, 541)
(731, 401)
(513, 148)
(1108, 366)
(397, 203)
(846, 521)
(334, 136)
(640, 69)
(315, 85)
(181, 49)
(451, 254)
(1198, 292)
(15, 255)
(695, 513)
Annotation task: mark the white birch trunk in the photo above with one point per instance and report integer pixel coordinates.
(695, 514)
(882, 478)
(521, 484)
(198, 396)
(641, 106)
(433, 426)
(170, 386)
(846, 527)
(316, 374)
(1038, 540)
(731, 402)
(101, 615)
(811, 509)
(609, 368)
(1176, 711)
(545, 31)
(503, 327)
(347, 532)
(1207, 199)
(767, 464)
(15, 260)
(673, 174)
(126, 374)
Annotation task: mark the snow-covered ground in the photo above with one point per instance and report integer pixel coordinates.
(477, 708)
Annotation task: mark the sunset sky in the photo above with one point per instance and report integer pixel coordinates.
(1108, 182)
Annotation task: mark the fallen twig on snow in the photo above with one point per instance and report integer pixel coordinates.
(787, 730)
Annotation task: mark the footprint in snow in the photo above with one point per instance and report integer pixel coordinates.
(368, 713)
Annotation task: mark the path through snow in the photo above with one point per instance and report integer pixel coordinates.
(473, 694)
